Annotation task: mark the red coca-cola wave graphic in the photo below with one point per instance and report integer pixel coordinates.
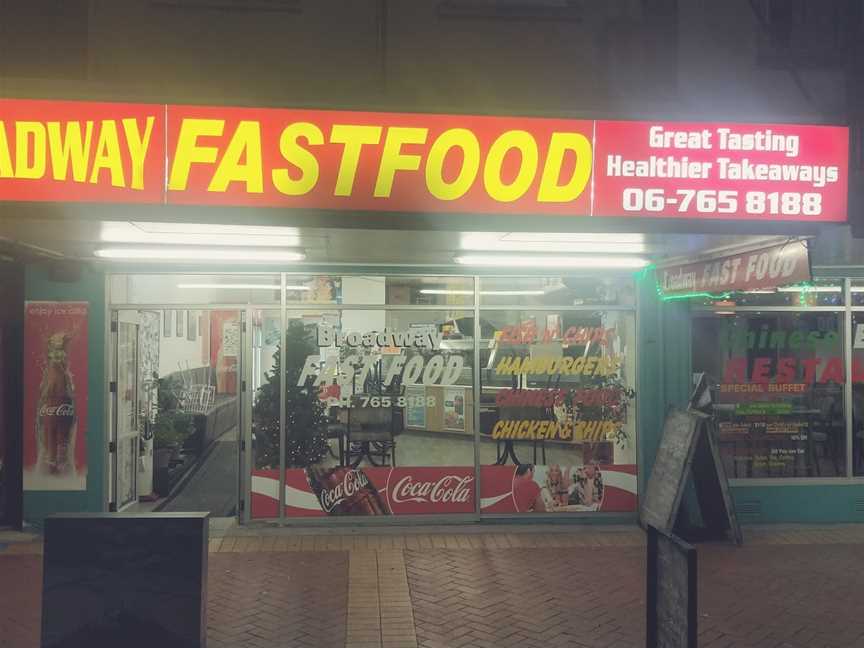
(429, 490)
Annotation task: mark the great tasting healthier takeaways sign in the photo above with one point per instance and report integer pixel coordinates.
(398, 162)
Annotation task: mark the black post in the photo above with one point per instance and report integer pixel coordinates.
(671, 601)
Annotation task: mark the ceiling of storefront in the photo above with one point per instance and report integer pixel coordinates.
(78, 239)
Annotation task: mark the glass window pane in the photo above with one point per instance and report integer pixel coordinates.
(379, 412)
(587, 290)
(392, 290)
(194, 289)
(818, 293)
(778, 391)
(558, 401)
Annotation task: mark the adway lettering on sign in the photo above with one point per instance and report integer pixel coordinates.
(77, 151)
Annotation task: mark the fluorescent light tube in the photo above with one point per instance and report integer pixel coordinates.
(552, 261)
(195, 254)
(211, 234)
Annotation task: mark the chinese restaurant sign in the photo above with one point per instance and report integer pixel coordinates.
(768, 267)
(399, 162)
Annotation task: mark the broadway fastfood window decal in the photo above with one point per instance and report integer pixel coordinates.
(339, 160)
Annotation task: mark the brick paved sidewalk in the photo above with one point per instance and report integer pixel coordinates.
(787, 587)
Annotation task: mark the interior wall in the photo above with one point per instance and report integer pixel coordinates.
(178, 353)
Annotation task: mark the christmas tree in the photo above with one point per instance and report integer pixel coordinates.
(305, 421)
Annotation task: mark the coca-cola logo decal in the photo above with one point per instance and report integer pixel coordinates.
(449, 489)
(352, 483)
(64, 409)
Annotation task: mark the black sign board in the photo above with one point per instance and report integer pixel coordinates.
(134, 581)
(688, 450)
(671, 595)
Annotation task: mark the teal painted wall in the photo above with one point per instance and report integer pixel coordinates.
(664, 367)
(90, 288)
(807, 504)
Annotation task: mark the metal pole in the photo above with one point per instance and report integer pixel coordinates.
(283, 354)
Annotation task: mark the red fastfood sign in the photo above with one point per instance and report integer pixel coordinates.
(400, 162)
(768, 267)
(733, 171)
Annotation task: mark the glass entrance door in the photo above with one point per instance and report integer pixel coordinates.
(176, 417)
(126, 441)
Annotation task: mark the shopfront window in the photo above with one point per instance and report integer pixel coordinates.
(378, 415)
(778, 386)
(557, 409)
(359, 397)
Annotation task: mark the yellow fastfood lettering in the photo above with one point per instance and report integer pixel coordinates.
(138, 145)
(565, 364)
(522, 431)
(108, 155)
(353, 138)
(69, 147)
(550, 190)
(453, 138)
(590, 363)
(496, 189)
(5, 159)
(578, 364)
(392, 158)
(188, 152)
(23, 132)
(245, 143)
(299, 157)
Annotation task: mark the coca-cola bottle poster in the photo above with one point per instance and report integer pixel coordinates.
(55, 396)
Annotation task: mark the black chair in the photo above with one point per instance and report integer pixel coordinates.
(370, 433)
